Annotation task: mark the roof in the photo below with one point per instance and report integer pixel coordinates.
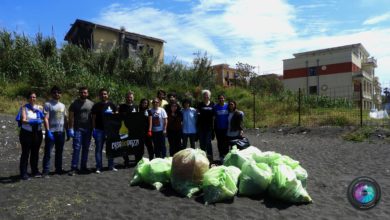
(332, 49)
(79, 21)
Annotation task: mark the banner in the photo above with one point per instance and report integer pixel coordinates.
(124, 133)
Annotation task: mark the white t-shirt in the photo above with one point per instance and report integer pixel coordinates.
(158, 116)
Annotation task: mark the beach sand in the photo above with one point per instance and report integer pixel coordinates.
(331, 162)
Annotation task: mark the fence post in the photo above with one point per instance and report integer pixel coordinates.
(299, 107)
(361, 105)
(254, 109)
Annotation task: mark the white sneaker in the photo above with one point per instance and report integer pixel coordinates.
(114, 169)
(97, 171)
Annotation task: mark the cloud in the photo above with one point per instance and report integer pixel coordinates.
(231, 31)
(377, 19)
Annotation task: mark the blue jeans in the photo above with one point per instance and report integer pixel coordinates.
(100, 139)
(59, 141)
(205, 142)
(81, 141)
(159, 144)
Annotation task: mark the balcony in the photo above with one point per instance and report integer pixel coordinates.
(363, 74)
(370, 61)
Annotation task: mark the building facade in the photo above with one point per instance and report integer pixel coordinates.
(225, 75)
(99, 38)
(336, 72)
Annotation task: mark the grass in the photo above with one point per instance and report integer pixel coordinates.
(359, 135)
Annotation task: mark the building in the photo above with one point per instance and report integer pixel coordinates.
(98, 38)
(335, 72)
(225, 75)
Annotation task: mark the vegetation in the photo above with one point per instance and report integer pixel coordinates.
(38, 64)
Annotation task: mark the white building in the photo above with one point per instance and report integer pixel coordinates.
(335, 72)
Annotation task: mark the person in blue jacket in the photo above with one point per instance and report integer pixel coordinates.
(221, 115)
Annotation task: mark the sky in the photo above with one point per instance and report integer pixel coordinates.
(259, 32)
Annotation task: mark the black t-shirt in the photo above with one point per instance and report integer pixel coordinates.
(205, 117)
(126, 108)
(98, 109)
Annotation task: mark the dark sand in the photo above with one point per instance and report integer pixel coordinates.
(331, 162)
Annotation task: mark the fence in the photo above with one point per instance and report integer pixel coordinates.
(341, 106)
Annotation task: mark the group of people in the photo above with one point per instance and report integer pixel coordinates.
(84, 119)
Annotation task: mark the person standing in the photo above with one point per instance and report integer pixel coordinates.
(221, 115)
(98, 110)
(158, 128)
(235, 119)
(205, 123)
(80, 129)
(55, 124)
(174, 128)
(144, 107)
(30, 119)
(189, 123)
(128, 108)
(161, 95)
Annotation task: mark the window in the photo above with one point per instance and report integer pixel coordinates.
(312, 71)
(313, 90)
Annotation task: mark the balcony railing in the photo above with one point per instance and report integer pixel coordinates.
(363, 74)
(371, 61)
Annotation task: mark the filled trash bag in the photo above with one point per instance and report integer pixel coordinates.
(285, 186)
(238, 157)
(267, 157)
(220, 183)
(188, 168)
(254, 179)
(156, 172)
(301, 174)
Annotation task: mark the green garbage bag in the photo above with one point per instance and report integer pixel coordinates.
(238, 157)
(156, 172)
(220, 183)
(267, 157)
(301, 174)
(285, 160)
(254, 179)
(188, 168)
(285, 186)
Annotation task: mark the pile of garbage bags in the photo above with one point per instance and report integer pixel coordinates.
(247, 172)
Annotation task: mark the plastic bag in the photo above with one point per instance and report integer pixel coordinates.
(156, 172)
(220, 183)
(285, 186)
(188, 167)
(238, 157)
(301, 174)
(267, 157)
(254, 179)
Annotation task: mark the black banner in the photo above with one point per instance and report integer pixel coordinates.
(124, 133)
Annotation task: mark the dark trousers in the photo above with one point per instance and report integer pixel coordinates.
(205, 136)
(149, 146)
(59, 141)
(192, 138)
(174, 139)
(31, 142)
(223, 149)
(159, 144)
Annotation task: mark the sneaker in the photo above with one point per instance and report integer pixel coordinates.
(60, 172)
(72, 173)
(25, 177)
(114, 169)
(37, 175)
(45, 175)
(97, 171)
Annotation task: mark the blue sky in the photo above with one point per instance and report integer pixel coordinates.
(259, 32)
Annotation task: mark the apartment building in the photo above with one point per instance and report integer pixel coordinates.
(98, 38)
(336, 72)
(225, 75)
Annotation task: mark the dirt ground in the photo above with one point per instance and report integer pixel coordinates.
(332, 164)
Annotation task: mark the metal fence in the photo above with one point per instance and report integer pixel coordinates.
(341, 106)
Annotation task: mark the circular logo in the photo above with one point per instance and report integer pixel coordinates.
(364, 193)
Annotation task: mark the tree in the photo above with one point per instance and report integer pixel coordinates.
(244, 73)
